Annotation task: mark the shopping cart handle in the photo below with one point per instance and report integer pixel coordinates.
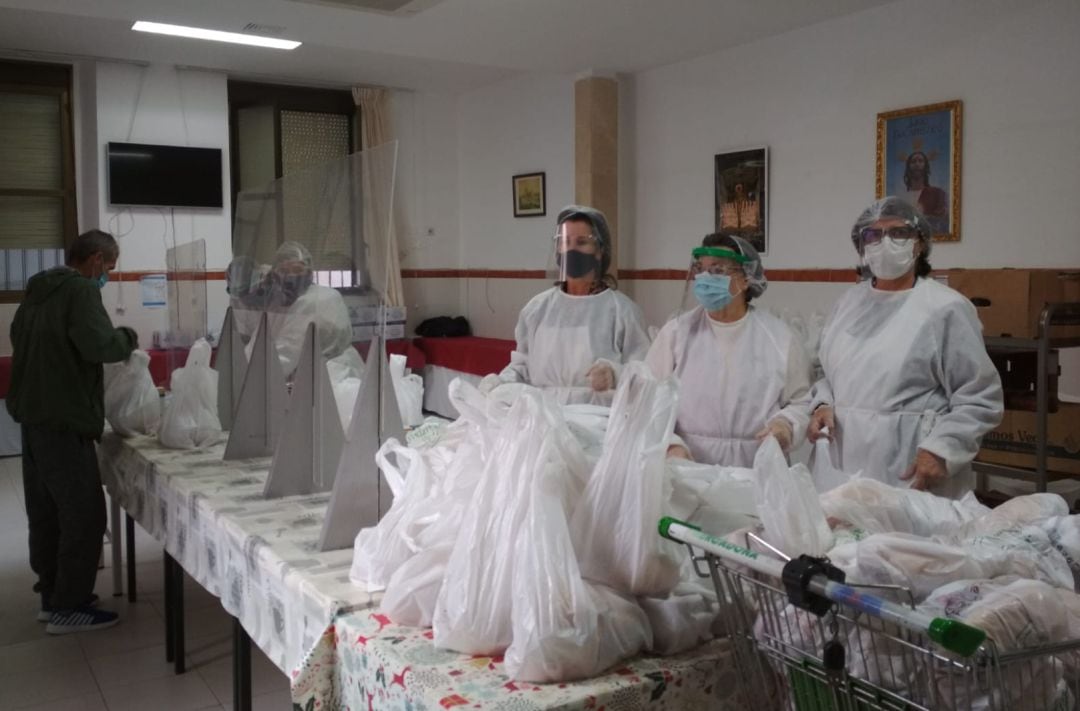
(955, 636)
(665, 527)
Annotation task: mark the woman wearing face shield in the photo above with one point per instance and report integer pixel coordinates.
(743, 375)
(909, 389)
(574, 337)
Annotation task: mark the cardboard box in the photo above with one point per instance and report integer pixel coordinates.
(1009, 301)
(1013, 442)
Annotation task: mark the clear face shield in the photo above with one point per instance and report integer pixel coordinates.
(576, 253)
(716, 278)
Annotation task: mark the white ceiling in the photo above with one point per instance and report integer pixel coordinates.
(455, 46)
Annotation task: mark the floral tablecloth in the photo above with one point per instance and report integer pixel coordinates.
(259, 556)
(384, 666)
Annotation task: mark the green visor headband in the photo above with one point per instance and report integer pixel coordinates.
(720, 253)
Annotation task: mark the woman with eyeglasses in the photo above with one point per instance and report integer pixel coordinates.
(574, 337)
(743, 375)
(908, 388)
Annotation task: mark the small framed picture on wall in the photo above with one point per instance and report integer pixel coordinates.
(741, 190)
(918, 159)
(530, 199)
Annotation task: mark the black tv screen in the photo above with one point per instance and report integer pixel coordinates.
(164, 176)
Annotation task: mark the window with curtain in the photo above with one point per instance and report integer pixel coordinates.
(37, 172)
(283, 130)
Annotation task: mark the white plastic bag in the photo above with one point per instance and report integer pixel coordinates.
(876, 507)
(679, 622)
(409, 389)
(563, 628)
(788, 504)
(827, 477)
(614, 527)
(381, 549)
(473, 614)
(413, 589)
(132, 403)
(1018, 511)
(717, 499)
(191, 419)
(924, 565)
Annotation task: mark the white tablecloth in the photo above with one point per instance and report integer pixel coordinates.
(259, 556)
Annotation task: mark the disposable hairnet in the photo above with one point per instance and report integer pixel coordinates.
(594, 217)
(900, 209)
(756, 283)
(292, 252)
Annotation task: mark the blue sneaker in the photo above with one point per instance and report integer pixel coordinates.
(81, 619)
(45, 614)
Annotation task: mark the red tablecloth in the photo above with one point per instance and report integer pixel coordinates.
(467, 354)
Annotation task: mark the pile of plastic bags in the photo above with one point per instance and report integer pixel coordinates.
(1012, 571)
(529, 529)
(132, 402)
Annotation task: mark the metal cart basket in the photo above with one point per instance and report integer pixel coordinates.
(803, 640)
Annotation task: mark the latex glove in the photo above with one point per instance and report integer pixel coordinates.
(822, 418)
(489, 382)
(601, 377)
(927, 471)
(677, 451)
(779, 428)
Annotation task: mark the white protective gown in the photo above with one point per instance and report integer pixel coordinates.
(559, 337)
(734, 378)
(907, 370)
(323, 306)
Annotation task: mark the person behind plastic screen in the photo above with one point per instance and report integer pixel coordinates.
(574, 337)
(743, 375)
(296, 301)
(61, 335)
(908, 387)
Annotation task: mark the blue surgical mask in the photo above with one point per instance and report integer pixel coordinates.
(713, 291)
(102, 280)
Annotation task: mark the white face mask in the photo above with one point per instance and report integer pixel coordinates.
(890, 258)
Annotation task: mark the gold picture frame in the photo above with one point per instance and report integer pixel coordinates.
(934, 132)
(530, 195)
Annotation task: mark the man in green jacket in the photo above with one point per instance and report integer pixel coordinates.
(61, 335)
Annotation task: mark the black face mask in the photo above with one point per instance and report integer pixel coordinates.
(577, 264)
(293, 286)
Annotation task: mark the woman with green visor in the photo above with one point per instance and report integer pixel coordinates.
(743, 375)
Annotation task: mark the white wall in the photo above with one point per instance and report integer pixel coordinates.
(519, 126)
(178, 107)
(812, 96)
(426, 126)
(160, 104)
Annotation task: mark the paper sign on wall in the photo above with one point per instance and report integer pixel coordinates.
(154, 291)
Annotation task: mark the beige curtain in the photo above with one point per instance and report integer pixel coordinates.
(381, 220)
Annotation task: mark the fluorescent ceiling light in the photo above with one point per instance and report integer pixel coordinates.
(216, 35)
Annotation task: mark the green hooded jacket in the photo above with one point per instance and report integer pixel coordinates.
(61, 335)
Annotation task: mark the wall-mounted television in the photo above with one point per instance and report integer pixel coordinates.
(164, 176)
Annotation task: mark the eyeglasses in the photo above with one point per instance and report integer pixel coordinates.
(873, 235)
(565, 242)
(714, 269)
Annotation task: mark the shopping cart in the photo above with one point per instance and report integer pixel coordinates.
(803, 640)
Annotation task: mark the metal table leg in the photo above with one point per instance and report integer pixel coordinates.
(170, 606)
(115, 538)
(179, 654)
(241, 668)
(129, 534)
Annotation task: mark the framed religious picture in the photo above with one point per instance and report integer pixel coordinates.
(918, 158)
(742, 195)
(529, 195)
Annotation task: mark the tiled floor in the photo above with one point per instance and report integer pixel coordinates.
(122, 668)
